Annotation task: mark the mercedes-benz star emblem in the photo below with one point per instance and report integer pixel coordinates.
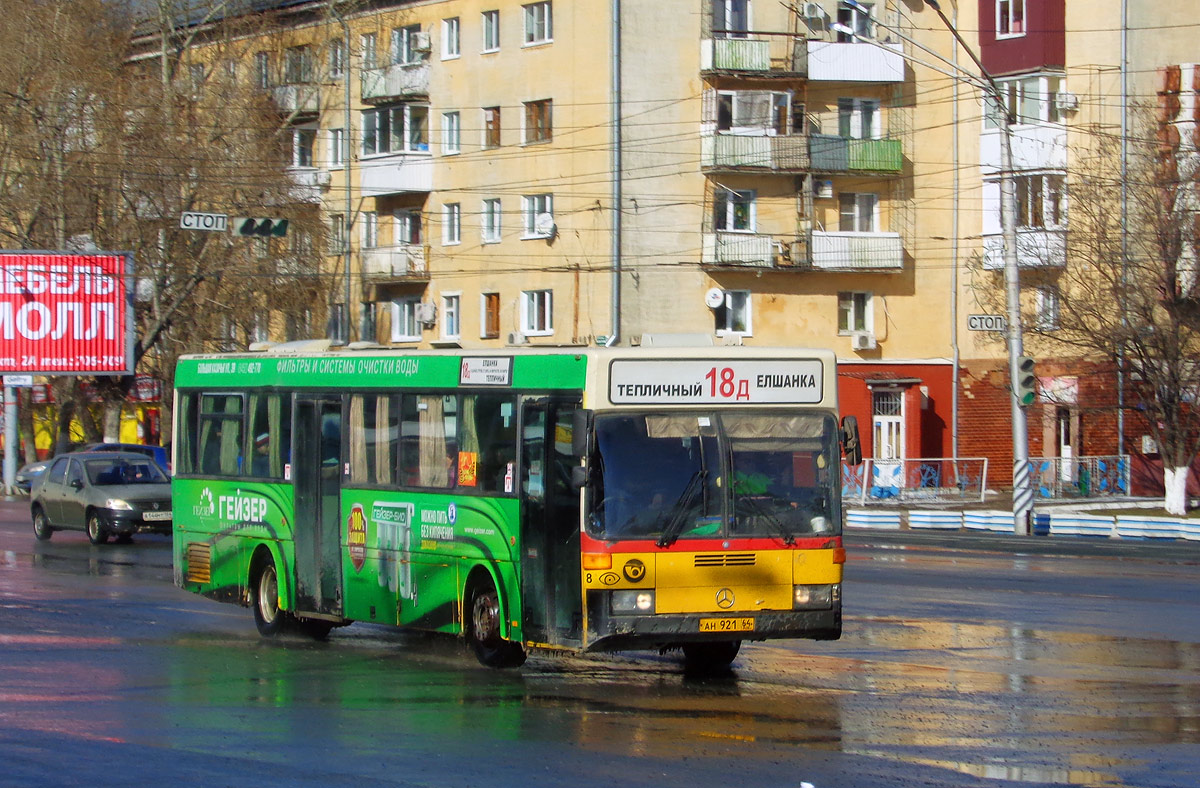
(725, 598)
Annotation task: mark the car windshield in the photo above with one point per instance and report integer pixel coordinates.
(695, 475)
(105, 472)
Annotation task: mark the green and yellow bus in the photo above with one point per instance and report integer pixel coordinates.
(582, 499)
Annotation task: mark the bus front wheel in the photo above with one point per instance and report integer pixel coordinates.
(484, 629)
(267, 615)
(711, 656)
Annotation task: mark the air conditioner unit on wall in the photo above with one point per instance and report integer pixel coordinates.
(421, 42)
(862, 340)
(517, 338)
(425, 313)
(1066, 102)
(814, 11)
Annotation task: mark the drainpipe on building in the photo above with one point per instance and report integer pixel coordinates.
(1124, 218)
(614, 335)
(954, 263)
(344, 329)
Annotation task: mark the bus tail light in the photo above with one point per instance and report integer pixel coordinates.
(597, 561)
(839, 555)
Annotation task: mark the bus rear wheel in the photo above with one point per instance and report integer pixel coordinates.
(267, 615)
(483, 629)
(711, 656)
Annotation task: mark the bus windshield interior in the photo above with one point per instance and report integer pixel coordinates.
(703, 475)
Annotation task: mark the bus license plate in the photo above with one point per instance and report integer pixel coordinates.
(727, 625)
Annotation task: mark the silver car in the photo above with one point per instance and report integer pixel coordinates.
(107, 494)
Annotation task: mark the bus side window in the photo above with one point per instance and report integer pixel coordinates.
(374, 430)
(490, 433)
(221, 434)
(186, 439)
(429, 439)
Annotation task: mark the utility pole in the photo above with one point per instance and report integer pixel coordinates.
(1022, 491)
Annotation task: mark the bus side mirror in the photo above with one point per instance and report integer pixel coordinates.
(581, 432)
(851, 446)
(580, 477)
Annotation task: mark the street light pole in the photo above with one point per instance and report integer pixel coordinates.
(1022, 496)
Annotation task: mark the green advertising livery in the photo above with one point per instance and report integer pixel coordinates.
(467, 492)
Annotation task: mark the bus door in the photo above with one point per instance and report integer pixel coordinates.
(549, 524)
(316, 478)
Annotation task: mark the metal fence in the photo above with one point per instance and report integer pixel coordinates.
(929, 479)
(1080, 477)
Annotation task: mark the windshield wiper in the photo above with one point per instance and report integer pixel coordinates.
(761, 511)
(680, 510)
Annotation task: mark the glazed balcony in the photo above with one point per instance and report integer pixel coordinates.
(1036, 248)
(833, 61)
(396, 173)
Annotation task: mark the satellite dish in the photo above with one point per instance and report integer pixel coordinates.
(714, 297)
(544, 224)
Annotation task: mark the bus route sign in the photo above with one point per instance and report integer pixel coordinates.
(728, 382)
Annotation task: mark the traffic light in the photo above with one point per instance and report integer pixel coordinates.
(263, 228)
(1026, 382)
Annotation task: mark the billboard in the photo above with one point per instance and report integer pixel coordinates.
(63, 313)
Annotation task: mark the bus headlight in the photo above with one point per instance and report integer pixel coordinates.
(633, 601)
(812, 597)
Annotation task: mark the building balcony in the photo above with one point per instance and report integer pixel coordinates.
(761, 153)
(1038, 248)
(829, 153)
(290, 270)
(393, 263)
(1034, 147)
(308, 183)
(781, 55)
(830, 61)
(396, 173)
(856, 251)
(395, 82)
(298, 99)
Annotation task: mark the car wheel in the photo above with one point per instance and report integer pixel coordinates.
(484, 630)
(267, 616)
(41, 525)
(96, 530)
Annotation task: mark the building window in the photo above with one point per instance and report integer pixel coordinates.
(451, 38)
(1029, 100)
(858, 212)
(337, 233)
(1047, 308)
(406, 46)
(855, 21)
(854, 312)
(298, 65)
(538, 23)
(752, 112)
(490, 220)
(1039, 201)
(368, 44)
(303, 142)
(451, 133)
(858, 119)
(370, 229)
(396, 129)
(262, 70)
(337, 58)
(451, 224)
(407, 226)
(1010, 18)
(196, 75)
(405, 327)
(451, 317)
(733, 210)
(538, 213)
(537, 313)
(491, 127)
(337, 142)
(491, 31)
(732, 316)
(537, 121)
(731, 18)
(489, 315)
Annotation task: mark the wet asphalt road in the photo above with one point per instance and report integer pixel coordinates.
(966, 661)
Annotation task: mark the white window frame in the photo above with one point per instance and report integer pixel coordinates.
(725, 210)
(337, 233)
(1013, 31)
(1038, 214)
(539, 23)
(406, 222)
(865, 217)
(537, 313)
(298, 65)
(337, 58)
(451, 38)
(299, 134)
(370, 230)
(451, 316)
(753, 113)
(490, 21)
(532, 206)
(396, 113)
(1033, 96)
(1048, 303)
(736, 303)
(858, 309)
(451, 133)
(852, 15)
(402, 52)
(262, 70)
(859, 118)
(337, 150)
(451, 223)
(730, 11)
(489, 220)
(404, 319)
(369, 49)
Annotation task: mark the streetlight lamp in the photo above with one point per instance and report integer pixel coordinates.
(1022, 496)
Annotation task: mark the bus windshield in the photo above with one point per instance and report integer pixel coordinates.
(704, 475)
